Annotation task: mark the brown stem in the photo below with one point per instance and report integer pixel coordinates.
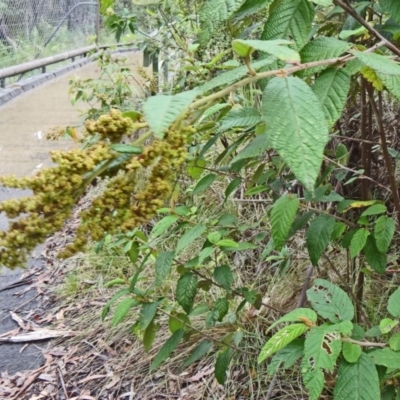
(363, 129)
(303, 294)
(363, 343)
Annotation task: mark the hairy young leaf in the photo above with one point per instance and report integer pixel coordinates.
(318, 236)
(351, 352)
(322, 48)
(283, 214)
(379, 63)
(357, 381)
(161, 226)
(281, 339)
(386, 357)
(168, 347)
(331, 88)
(383, 233)
(330, 301)
(223, 275)
(162, 266)
(162, 110)
(150, 335)
(305, 315)
(122, 310)
(374, 257)
(203, 184)
(296, 126)
(290, 19)
(358, 241)
(199, 351)
(186, 290)
(286, 357)
(243, 117)
(222, 364)
(249, 8)
(190, 236)
(394, 303)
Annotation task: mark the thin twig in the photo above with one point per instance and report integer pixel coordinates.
(364, 344)
(303, 294)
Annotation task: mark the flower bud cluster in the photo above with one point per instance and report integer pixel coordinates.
(151, 81)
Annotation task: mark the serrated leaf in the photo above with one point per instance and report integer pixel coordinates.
(286, 357)
(199, 351)
(150, 335)
(283, 214)
(168, 347)
(122, 310)
(213, 14)
(386, 357)
(223, 276)
(277, 48)
(318, 235)
(147, 314)
(204, 183)
(222, 306)
(391, 7)
(314, 382)
(227, 243)
(358, 241)
(113, 299)
(372, 77)
(300, 222)
(281, 339)
(305, 315)
(296, 126)
(161, 226)
(338, 230)
(290, 19)
(190, 236)
(383, 233)
(162, 110)
(243, 117)
(387, 324)
(374, 257)
(351, 352)
(394, 342)
(394, 303)
(186, 290)
(374, 210)
(379, 63)
(162, 266)
(357, 381)
(331, 88)
(330, 301)
(249, 8)
(255, 148)
(322, 48)
(222, 364)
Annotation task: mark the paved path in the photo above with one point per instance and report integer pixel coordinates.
(24, 121)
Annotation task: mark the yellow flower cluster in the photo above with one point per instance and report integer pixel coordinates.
(151, 81)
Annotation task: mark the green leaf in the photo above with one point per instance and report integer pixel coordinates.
(338, 230)
(227, 243)
(351, 352)
(383, 233)
(119, 294)
(213, 110)
(314, 382)
(162, 110)
(122, 310)
(299, 314)
(357, 381)
(296, 126)
(249, 8)
(161, 226)
(213, 14)
(203, 184)
(374, 210)
(232, 187)
(386, 357)
(222, 306)
(169, 346)
(323, 3)
(150, 335)
(381, 64)
(283, 214)
(222, 364)
(255, 148)
(126, 148)
(223, 276)
(331, 88)
(190, 236)
(286, 357)
(177, 321)
(330, 301)
(387, 324)
(358, 241)
(391, 7)
(374, 257)
(162, 266)
(199, 351)
(290, 19)
(243, 117)
(281, 339)
(394, 303)
(277, 48)
(186, 290)
(300, 222)
(394, 342)
(322, 48)
(318, 236)
(147, 314)
(133, 115)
